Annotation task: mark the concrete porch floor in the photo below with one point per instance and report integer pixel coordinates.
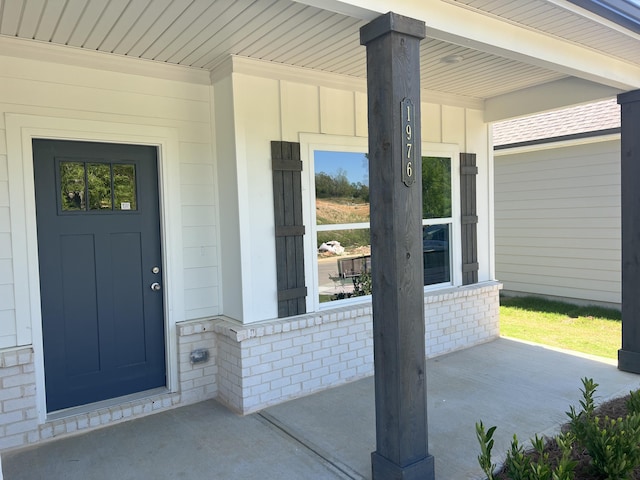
(521, 388)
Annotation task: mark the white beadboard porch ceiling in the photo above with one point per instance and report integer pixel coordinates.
(202, 33)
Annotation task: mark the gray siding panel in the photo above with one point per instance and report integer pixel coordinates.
(557, 214)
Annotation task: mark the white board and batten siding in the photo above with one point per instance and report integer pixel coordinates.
(557, 211)
(277, 102)
(50, 88)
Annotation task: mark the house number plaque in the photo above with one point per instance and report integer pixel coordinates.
(408, 144)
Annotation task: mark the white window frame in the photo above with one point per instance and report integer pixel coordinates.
(310, 142)
(451, 151)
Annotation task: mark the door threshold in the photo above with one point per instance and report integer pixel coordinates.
(110, 402)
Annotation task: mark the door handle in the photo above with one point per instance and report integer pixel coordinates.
(155, 286)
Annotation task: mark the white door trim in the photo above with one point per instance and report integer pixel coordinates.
(21, 130)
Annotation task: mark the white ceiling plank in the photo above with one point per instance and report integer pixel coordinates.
(333, 35)
(49, 20)
(142, 24)
(125, 22)
(213, 22)
(183, 22)
(33, 11)
(11, 14)
(87, 22)
(262, 14)
(299, 31)
(106, 22)
(161, 23)
(69, 21)
(253, 39)
(318, 39)
(294, 17)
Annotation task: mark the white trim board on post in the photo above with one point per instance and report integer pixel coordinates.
(21, 130)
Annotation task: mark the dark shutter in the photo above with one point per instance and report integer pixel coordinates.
(287, 205)
(468, 174)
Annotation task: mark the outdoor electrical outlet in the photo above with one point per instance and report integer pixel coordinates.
(200, 355)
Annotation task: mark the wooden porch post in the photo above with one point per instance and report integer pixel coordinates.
(395, 180)
(629, 354)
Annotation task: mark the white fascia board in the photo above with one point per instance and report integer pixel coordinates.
(548, 96)
(462, 26)
(552, 145)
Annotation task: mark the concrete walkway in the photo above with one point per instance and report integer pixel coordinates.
(521, 388)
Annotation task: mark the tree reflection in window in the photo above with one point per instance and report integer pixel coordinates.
(72, 186)
(99, 183)
(97, 186)
(124, 187)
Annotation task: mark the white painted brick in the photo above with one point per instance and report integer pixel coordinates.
(270, 396)
(283, 363)
(339, 332)
(347, 339)
(282, 344)
(339, 349)
(303, 358)
(348, 355)
(193, 374)
(356, 362)
(250, 361)
(302, 340)
(10, 417)
(291, 390)
(311, 385)
(353, 329)
(319, 336)
(301, 377)
(20, 427)
(17, 404)
(11, 442)
(292, 352)
(347, 373)
(330, 361)
(260, 368)
(259, 350)
(330, 342)
(282, 382)
(9, 393)
(310, 347)
(271, 357)
(319, 372)
(292, 370)
(319, 354)
(270, 376)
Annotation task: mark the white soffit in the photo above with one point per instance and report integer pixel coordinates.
(314, 34)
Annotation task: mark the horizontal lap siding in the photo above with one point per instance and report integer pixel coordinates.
(7, 311)
(46, 89)
(558, 221)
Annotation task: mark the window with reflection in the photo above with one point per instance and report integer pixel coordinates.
(342, 224)
(436, 219)
(88, 186)
(342, 213)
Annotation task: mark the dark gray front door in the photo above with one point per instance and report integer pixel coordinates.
(100, 254)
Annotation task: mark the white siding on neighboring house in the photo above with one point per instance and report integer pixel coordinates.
(557, 214)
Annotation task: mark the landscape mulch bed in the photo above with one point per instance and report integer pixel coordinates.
(613, 409)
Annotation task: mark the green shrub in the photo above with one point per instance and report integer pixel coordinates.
(486, 445)
(612, 444)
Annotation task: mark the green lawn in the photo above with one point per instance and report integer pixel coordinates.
(592, 330)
